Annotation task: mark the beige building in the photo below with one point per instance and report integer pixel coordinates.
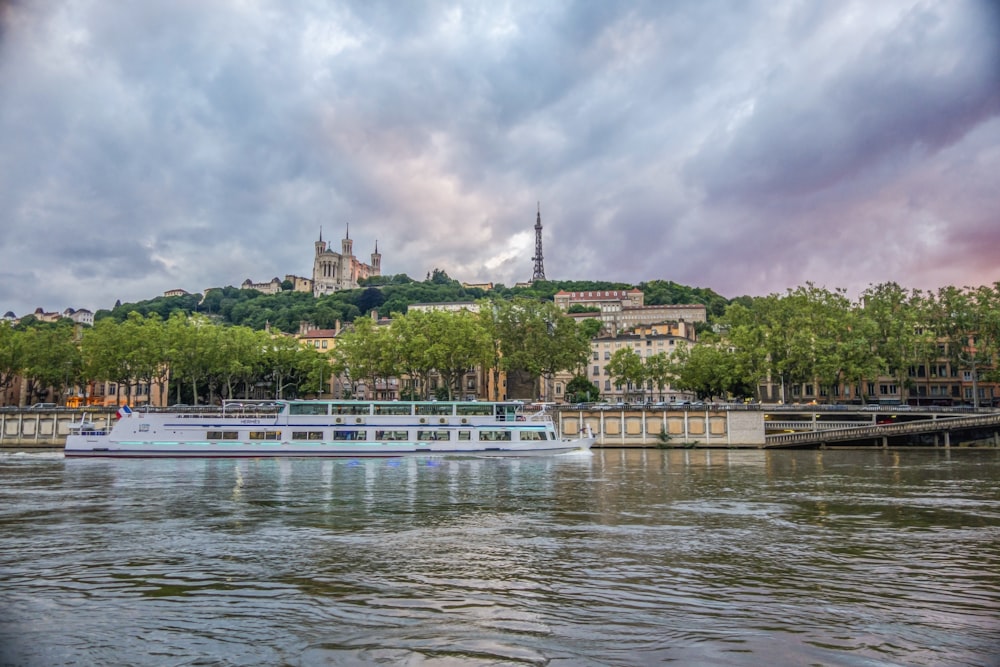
(299, 284)
(333, 271)
(645, 341)
(271, 287)
(624, 309)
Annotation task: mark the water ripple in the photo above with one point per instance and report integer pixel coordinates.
(623, 558)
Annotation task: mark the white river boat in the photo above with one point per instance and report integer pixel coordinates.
(321, 428)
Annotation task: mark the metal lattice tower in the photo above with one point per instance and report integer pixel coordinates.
(539, 273)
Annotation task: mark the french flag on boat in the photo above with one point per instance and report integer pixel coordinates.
(124, 411)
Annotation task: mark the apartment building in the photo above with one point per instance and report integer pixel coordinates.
(621, 310)
(646, 341)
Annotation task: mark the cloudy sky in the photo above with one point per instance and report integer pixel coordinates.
(748, 147)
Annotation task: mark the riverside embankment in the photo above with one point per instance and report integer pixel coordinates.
(725, 426)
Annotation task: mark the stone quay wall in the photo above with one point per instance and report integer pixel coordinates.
(44, 429)
(710, 427)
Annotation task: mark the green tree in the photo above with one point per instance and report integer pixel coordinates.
(536, 340)
(11, 355)
(705, 369)
(51, 360)
(359, 354)
(627, 370)
(581, 390)
(458, 342)
(892, 319)
(745, 331)
(659, 372)
(409, 335)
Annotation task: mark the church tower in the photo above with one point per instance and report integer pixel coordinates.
(346, 246)
(376, 261)
(539, 273)
(348, 275)
(320, 245)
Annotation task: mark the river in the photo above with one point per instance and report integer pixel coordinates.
(619, 557)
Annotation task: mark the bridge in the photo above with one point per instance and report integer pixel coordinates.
(983, 427)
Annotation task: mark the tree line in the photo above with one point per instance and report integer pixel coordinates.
(820, 337)
(809, 335)
(203, 361)
(199, 360)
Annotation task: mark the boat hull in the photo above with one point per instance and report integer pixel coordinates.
(78, 446)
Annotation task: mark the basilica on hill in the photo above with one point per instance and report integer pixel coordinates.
(333, 271)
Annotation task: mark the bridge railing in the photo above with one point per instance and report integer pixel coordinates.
(883, 430)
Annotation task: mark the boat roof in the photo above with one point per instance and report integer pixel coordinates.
(332, 401)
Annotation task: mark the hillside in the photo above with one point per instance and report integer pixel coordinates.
(386, 294)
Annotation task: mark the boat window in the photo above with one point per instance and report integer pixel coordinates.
(307, 435)
(465, 435)
(532, 435)
(434, 408)
(475, 409)
(391, 435)
(307, 408)
(397, 409)
(494, 436)
(351, 408)
(265, 435)
(221, 435)
(351, 434)
(432, 435)
(143, 428)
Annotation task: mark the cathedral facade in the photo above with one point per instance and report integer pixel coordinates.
(333, 271)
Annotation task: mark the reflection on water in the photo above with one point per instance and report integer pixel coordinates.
(623, 557)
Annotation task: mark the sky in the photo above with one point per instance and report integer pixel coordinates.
(749, 147)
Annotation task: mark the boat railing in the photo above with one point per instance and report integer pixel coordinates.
(265, 411)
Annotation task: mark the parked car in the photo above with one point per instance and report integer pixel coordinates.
(44, 406)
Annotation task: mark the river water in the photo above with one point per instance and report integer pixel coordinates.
(619, 557)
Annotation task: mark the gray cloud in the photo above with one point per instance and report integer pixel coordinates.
(745, 148)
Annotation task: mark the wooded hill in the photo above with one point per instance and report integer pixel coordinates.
(386, 294)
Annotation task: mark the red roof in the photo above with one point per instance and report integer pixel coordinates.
(319, 333)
